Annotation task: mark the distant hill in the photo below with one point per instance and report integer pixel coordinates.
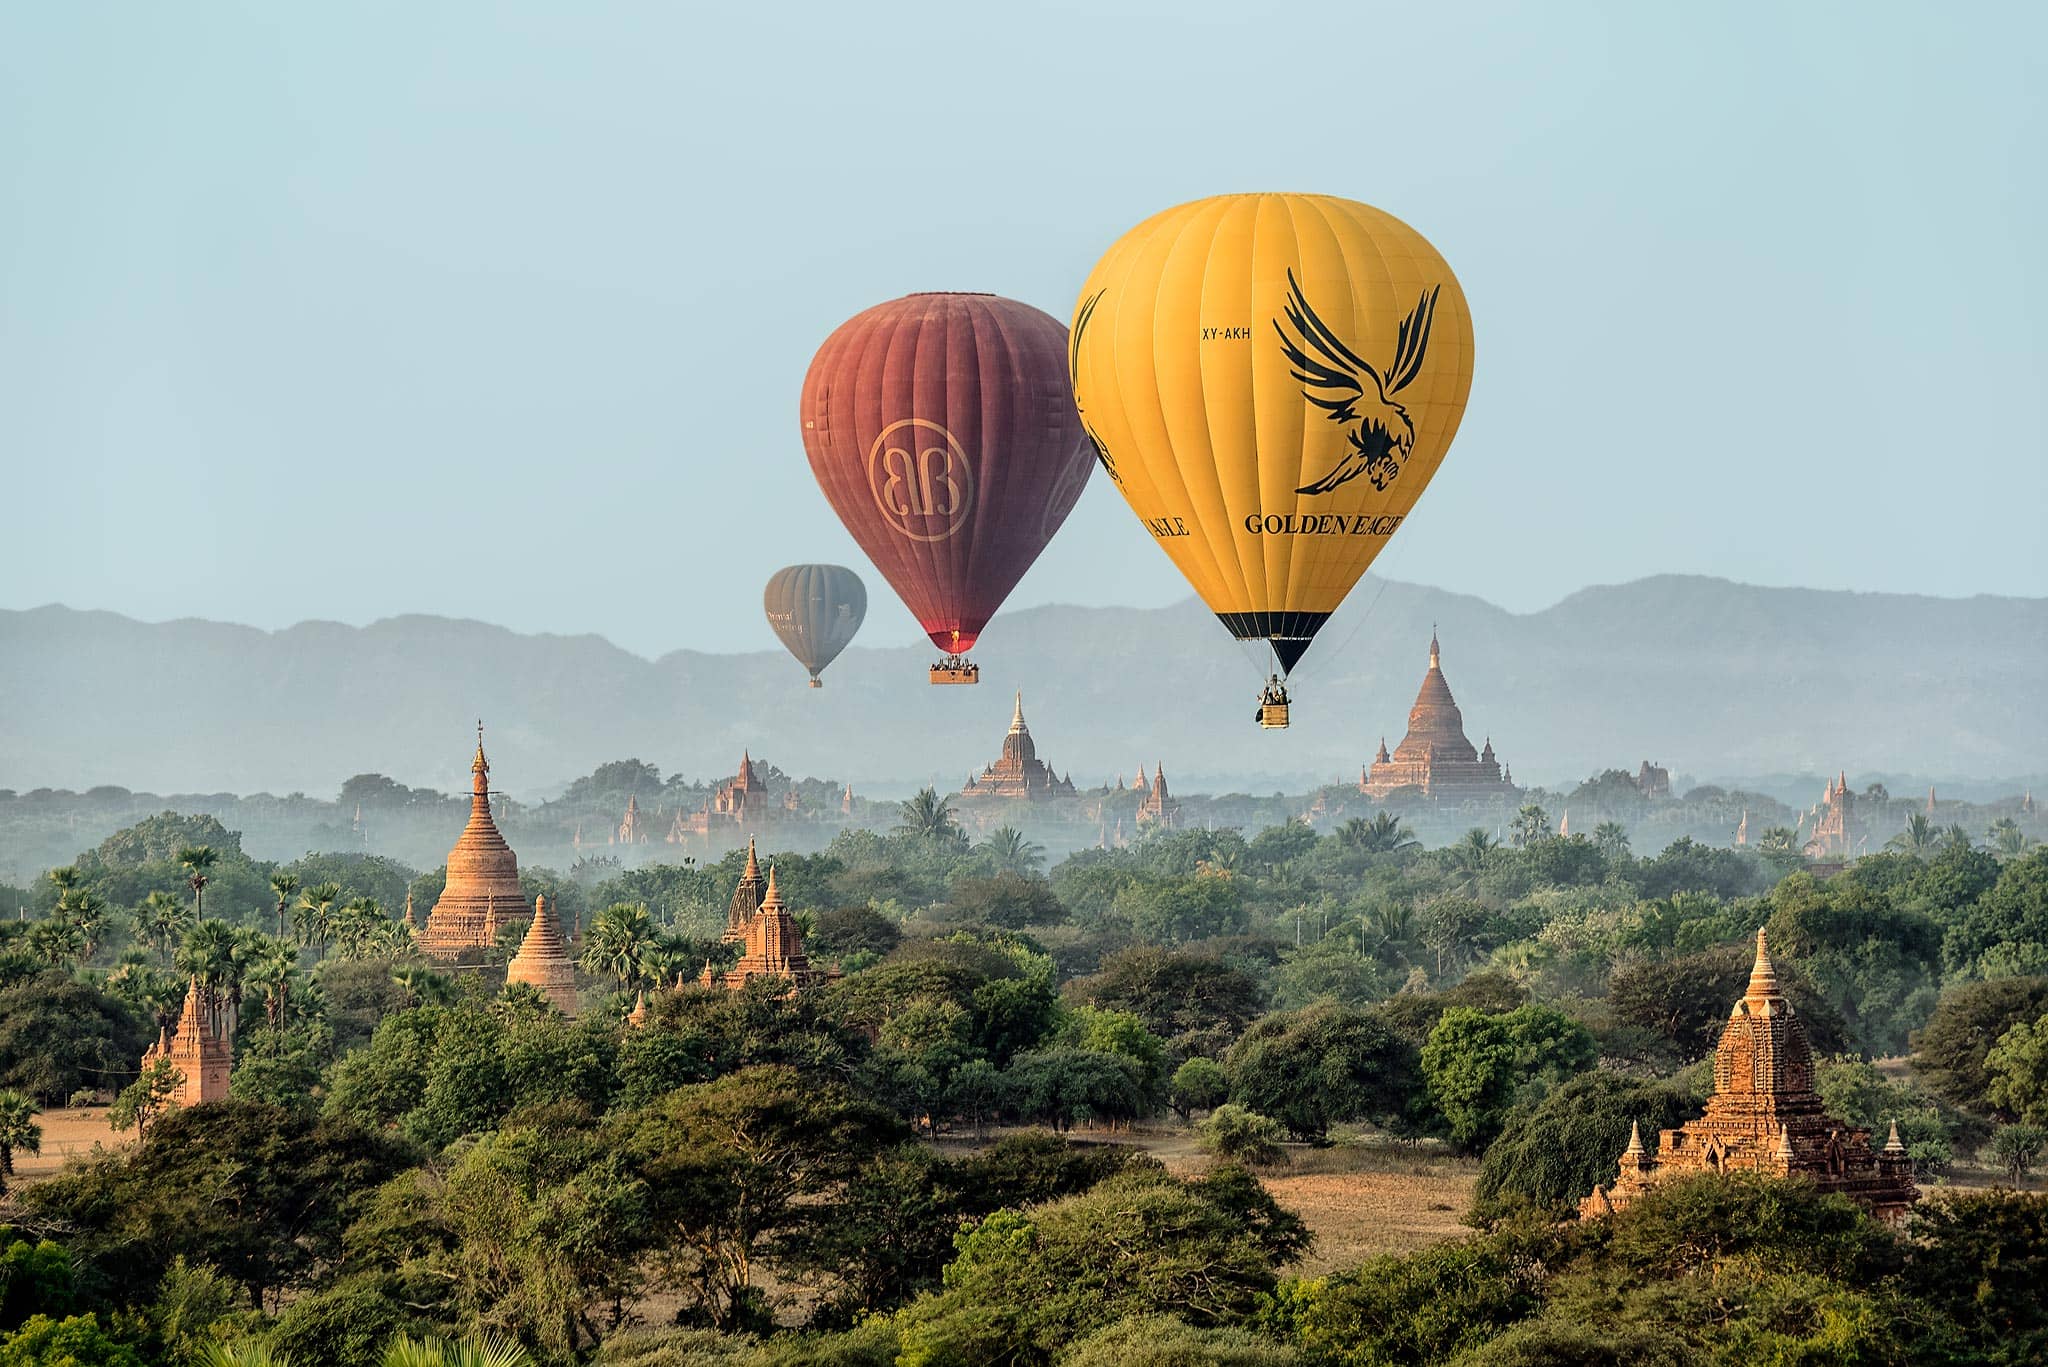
(1707, 677)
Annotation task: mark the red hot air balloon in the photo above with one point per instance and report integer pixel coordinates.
(942, 429)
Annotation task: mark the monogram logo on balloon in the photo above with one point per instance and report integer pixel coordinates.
(921, 479)
(1379, 436)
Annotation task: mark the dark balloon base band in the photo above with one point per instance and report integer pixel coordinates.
(1289, 633)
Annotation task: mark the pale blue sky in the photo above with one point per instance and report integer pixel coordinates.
(501, 310)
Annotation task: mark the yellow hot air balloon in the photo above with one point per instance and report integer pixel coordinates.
(1271, 380)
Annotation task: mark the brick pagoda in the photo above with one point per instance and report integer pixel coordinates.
(774, 948)
(1766, 1117)
(482, 894)
(1435, 757)
(1018, 772)
(198, 1048)
(543, 961)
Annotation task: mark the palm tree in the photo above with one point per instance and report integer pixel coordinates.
(1012, 852)
(616, 942)
(1532, 825)
(18, 1130)
(929, 817)
(1956, 838)
(88, 912)
(1917, 839)
(56, 941)
(356, 927)
(65, 879)
(1779, 840)
(314, 918)
(432, 1352)
(208, 955)
(270, 972)
(1611, 839)
(2008, 841)
(161, 921)
(1472, 849)
(1381, 835)
(668, 956)
(198, 861)
(286, 886)
(419, 985)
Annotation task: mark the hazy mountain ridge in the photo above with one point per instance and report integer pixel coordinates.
(1706, 676)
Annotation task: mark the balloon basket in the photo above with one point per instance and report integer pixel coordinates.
(1273, 716)
(817, 683)
(956, 669)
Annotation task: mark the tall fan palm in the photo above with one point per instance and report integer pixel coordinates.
(2008, 841)
(56, 941)
(270, 973)
(929, 816)
(1012, 852)
(161, 921)
(1381, 835)
(208, 955)
(1531, 825)
(616, 942)
(88, 912)
(1917, 839)
(18, 1130)
(286, 886)
(1611, 839)
(314, 917)
(434, 1352)
(198, 862)
(356, 927)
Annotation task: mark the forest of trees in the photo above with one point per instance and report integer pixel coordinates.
(933, 1159)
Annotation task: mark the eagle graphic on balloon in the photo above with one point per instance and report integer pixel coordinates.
(1350, 390)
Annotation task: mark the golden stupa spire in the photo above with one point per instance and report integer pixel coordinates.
(1435, 653)
(771, 897)
(480, 768)
(753, 873)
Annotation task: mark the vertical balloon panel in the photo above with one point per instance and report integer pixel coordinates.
(941, 428)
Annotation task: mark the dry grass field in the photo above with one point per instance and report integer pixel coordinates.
(68, 1132)
(1361, 1196)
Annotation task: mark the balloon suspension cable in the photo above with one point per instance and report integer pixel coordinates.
(1363, 617)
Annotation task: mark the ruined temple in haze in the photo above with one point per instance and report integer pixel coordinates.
(1435, 758)
(1835, 828)
(1018, 772)
(482, 895)
(1157, 807)
(1766, 1117)
(737, 802)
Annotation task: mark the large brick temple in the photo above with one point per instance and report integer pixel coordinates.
(1018, 772)
(482, 894)
(1434, 757)
(1766, 1117)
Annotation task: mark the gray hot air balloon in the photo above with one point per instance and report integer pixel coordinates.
(815, 609)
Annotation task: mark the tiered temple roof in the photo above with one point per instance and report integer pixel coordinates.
(1019, 773)
(482, 894)
(1158, 807)
(1834, 830)
(201, 1051)
(1766, 1117)
(543, 961)
(1435, 757)
(773, 946)
(746, 899)
(735, 802)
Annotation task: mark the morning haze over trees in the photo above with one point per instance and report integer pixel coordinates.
(1130, 1075)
